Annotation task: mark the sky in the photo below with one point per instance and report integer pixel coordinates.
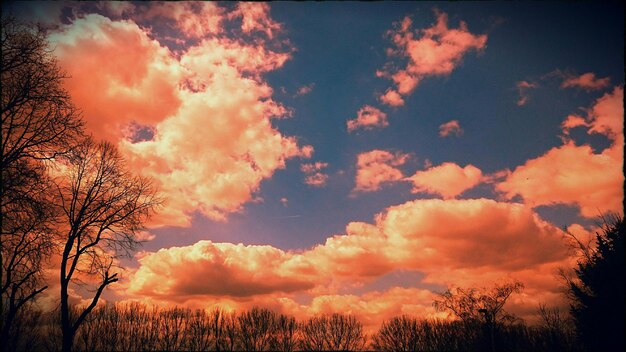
(350, 156)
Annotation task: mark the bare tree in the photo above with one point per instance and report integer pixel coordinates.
(104, 206)
(39, 122)
(485, 306)
(313, 333)
(256, 327)
(344, 333)
(336, 332)
(398, 334)
(285, 338)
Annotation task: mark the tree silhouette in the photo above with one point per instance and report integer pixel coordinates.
(38, 123)
(104, 206)
(334, 332)
(472, 305)
(597, 293)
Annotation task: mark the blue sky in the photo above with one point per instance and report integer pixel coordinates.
(339, 47)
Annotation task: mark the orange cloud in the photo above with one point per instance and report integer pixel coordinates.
(191, 19)
(256, 17)
(214, 269)
(587, 81)
(573, 121)
(571, 174)
(434, 51)
(313, 175)
(377, 167)
(114, 93)
(368, 117)
(208, 106)
(448, 179)
(450, 127)
(392, 98)
(463, 242)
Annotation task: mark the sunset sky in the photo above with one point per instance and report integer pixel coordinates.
(353, 157)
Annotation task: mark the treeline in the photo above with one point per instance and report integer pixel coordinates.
(137, 327)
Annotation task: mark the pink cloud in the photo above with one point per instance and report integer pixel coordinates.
(573, 121)
(450, 127)
(314, 175)
(571, 174)
(214, 269)
(392, 98)
(256, 18)
(448, 179)
(142, 68)
(214, 85)
(434, 51)
(368, 117)
(192, 19)
(377, 167)
(522, 89)
(304, 90)
(587, 81)
(463, 242)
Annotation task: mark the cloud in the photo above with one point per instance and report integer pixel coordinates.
(256, 18)
(450, 127)
(304, 90)
(191, 19)
(463, 242)
(572, 174)
(126, 86)
(207, 106)
(392, 98)
(214, 269)
(573, 121)
(368, 118)
(522, 89)
(448, 179)
(377, 167)
(587, 81)
(314, 175)
(433, 51)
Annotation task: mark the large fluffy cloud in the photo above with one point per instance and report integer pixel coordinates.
(215, 269)
(462, 242)
(434, 51)
(197, 120)
(576, 174)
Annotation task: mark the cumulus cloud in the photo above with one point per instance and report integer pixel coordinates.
(314, 175)
(392, 98)
(449, 128)
(463, 242)
(368, 117)
(377, 167)
(587, 81)
(572, 174)
(433, 51)
(207, 106)
(214, 269)
(448, 179)
(522, 89)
